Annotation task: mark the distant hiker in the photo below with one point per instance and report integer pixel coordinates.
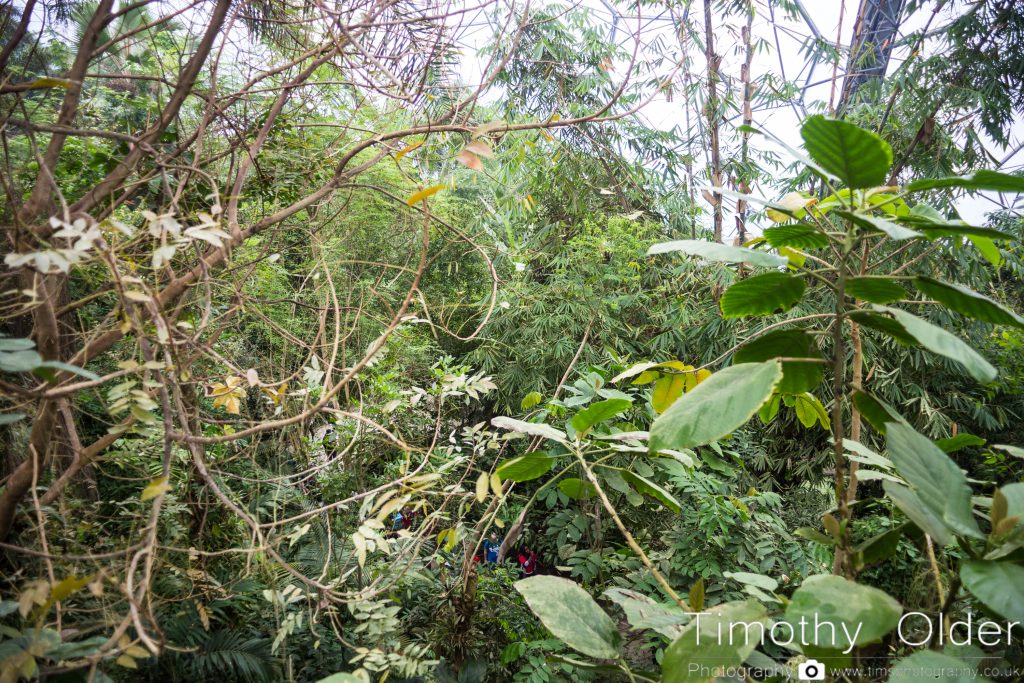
(397, 521)
(491, 547)
(527, 562)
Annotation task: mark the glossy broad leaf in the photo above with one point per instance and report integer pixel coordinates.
(968, 302)
(800, 236)
(797, 377)
(724, 253)
(710, 642)
(571, 615)
(877, 290)
(598, 412)
(856, 156)
(762, 295)
(716, 407)
(526, 467)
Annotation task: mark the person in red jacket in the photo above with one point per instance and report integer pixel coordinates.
(527, 562)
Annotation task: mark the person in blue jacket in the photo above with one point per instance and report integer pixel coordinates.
(492, 545)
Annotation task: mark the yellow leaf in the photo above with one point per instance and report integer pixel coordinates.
(360, 543)
(127, 662)
(496, 485)
(794, 202)
(156, 488)
(795, 256)
(500, 523)
(405, 150)
(481, 487)
(666, 390)
(41, 83)
(423, 194)
(204, 615)
(137, 652)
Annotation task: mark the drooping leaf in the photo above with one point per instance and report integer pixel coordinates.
(571, 615)
(723, 253)
(711, 642)
(936, 480)
(155, 488)
(648, 487)
(797, 377)
(968, 302)
(999, 585)
(800, 235)
(526, 467)
(877, 290)
(877, 412)
(716, 407)
(530, 400)
(762, 295)
(938, 340)
(979, 180)
(417, 197)
(856, 156)
(959, 442)
(860, 614)
(577, 489)
(883, 324)
(643, 612)
(598, 412)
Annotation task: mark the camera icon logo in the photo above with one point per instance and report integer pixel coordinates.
(811, 670)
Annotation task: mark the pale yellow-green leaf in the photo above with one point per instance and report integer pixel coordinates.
(481, 487)
(155, 488)
(496, 485)
(417, 197)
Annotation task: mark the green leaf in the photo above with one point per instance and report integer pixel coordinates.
(724, 253)
(15, 344)
(73, 369)
(531, 428)
(10, 418)
(938, 340)
(530, 400)
(935, 479)
(577, 489)
(598, 412)
(883, 324)
(20, 361)
(999, 585)
(876, 224)
(1015, 451)
(343, 678)
(707, 643)
(155, 488)
(760, 580)
(762, 295)
(979, 180)
(918, 513)
(988, 249)
(526, 467)
(799, 235)
(876, 412)
(571, 615)
(797, 377)
(651, 489)
(968, 302)
(878, 548)
(877, 290)
(716, 407)
(958, 442)
(928, 665)
(667, 389)
(860, 614)
(856, 156)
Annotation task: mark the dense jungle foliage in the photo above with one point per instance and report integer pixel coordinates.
(402, 340)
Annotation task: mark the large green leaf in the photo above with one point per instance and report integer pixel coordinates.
(979, 180)
(933, 666)
(877, 290)
(762, 295)
(571, 615)
(797, 377)
(938, 340)
(715, 407)
(939, 483)
(877, 412)
(598, 412)
(860, 614)
(856, 156)
(877, 224)
(999, 585)
(883, 324)
(935, 229)
(717, 639)
(525, 467)
(647, 486)
(799, 235)
(918, 513)
(968, 302)
(724, 253)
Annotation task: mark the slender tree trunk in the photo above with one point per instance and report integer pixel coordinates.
(711, 110)
(748, 119)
